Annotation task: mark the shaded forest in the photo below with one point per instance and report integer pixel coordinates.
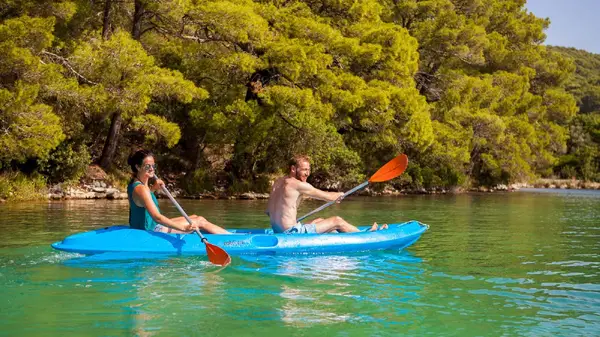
(224, 92)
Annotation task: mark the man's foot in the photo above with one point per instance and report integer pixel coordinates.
(375, 227)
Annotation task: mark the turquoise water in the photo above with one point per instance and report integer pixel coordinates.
(513, 264)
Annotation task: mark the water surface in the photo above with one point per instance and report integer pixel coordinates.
(511, 264)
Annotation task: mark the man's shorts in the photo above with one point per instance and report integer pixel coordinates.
(300, 228)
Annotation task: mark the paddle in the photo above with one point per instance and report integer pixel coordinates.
(390, 170)
(216, 254)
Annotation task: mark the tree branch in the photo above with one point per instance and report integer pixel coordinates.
(288, 122)
(66, 63)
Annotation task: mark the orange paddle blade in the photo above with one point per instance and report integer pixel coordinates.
(391, 170)
(217, 255)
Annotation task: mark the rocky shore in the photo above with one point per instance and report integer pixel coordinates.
(96, 184)
(97, 190)
(101, 190)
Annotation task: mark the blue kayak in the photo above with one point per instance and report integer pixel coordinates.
(242, 241)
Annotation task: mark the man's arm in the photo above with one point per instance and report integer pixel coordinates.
(310, 191)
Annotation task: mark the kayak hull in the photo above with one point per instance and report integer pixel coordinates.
(243, 241)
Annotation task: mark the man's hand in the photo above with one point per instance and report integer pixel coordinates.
(339, 197)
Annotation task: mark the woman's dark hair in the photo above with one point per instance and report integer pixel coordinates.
(137, 159)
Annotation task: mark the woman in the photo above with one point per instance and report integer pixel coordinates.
(143, 207)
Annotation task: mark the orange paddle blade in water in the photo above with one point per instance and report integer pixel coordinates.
(391, 170)
(217, 255)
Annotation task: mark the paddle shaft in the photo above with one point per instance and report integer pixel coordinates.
(333, 202)
(164, 189)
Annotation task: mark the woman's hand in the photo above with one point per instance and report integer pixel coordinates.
(157, 185)
(189, 227)
(197, 224)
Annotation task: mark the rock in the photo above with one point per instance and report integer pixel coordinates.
(387, 191)
(99, 195)
(247, 196)
(514, 187)
(99, 189)
(55, 189)
(112, 193)
(112, 190)
(95, 172)
(55, 196)
(253, 196)
(456, 190)
(501, 187)
(76, 194)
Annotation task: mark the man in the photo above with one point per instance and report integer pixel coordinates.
(286, 195)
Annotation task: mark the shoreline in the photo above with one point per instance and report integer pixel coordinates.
(100, 190)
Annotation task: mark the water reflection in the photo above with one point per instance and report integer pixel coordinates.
(310, 287)
(146, 289)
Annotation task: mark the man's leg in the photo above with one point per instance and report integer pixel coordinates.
(336, 223)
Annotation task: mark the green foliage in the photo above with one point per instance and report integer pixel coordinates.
(261, 184)
(156, 128)
(65, 163)
(29, 130)
(585, 83)
(16, 186)
(500, 113)
(466, 88)
(63, 10)
(584, 142)
(199, 181)
(123, 70)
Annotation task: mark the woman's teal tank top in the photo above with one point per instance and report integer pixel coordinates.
(139, 218)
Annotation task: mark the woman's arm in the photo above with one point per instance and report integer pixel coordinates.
(143, 195)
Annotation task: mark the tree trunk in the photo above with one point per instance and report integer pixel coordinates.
(106, 20)
(138, 14)
(110, 146)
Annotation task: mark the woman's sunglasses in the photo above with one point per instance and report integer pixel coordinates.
(147, 167)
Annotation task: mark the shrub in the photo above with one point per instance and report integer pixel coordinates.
(65, 164)
(199, 181)
(568, 172)
(260, 184)
(18, 186)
